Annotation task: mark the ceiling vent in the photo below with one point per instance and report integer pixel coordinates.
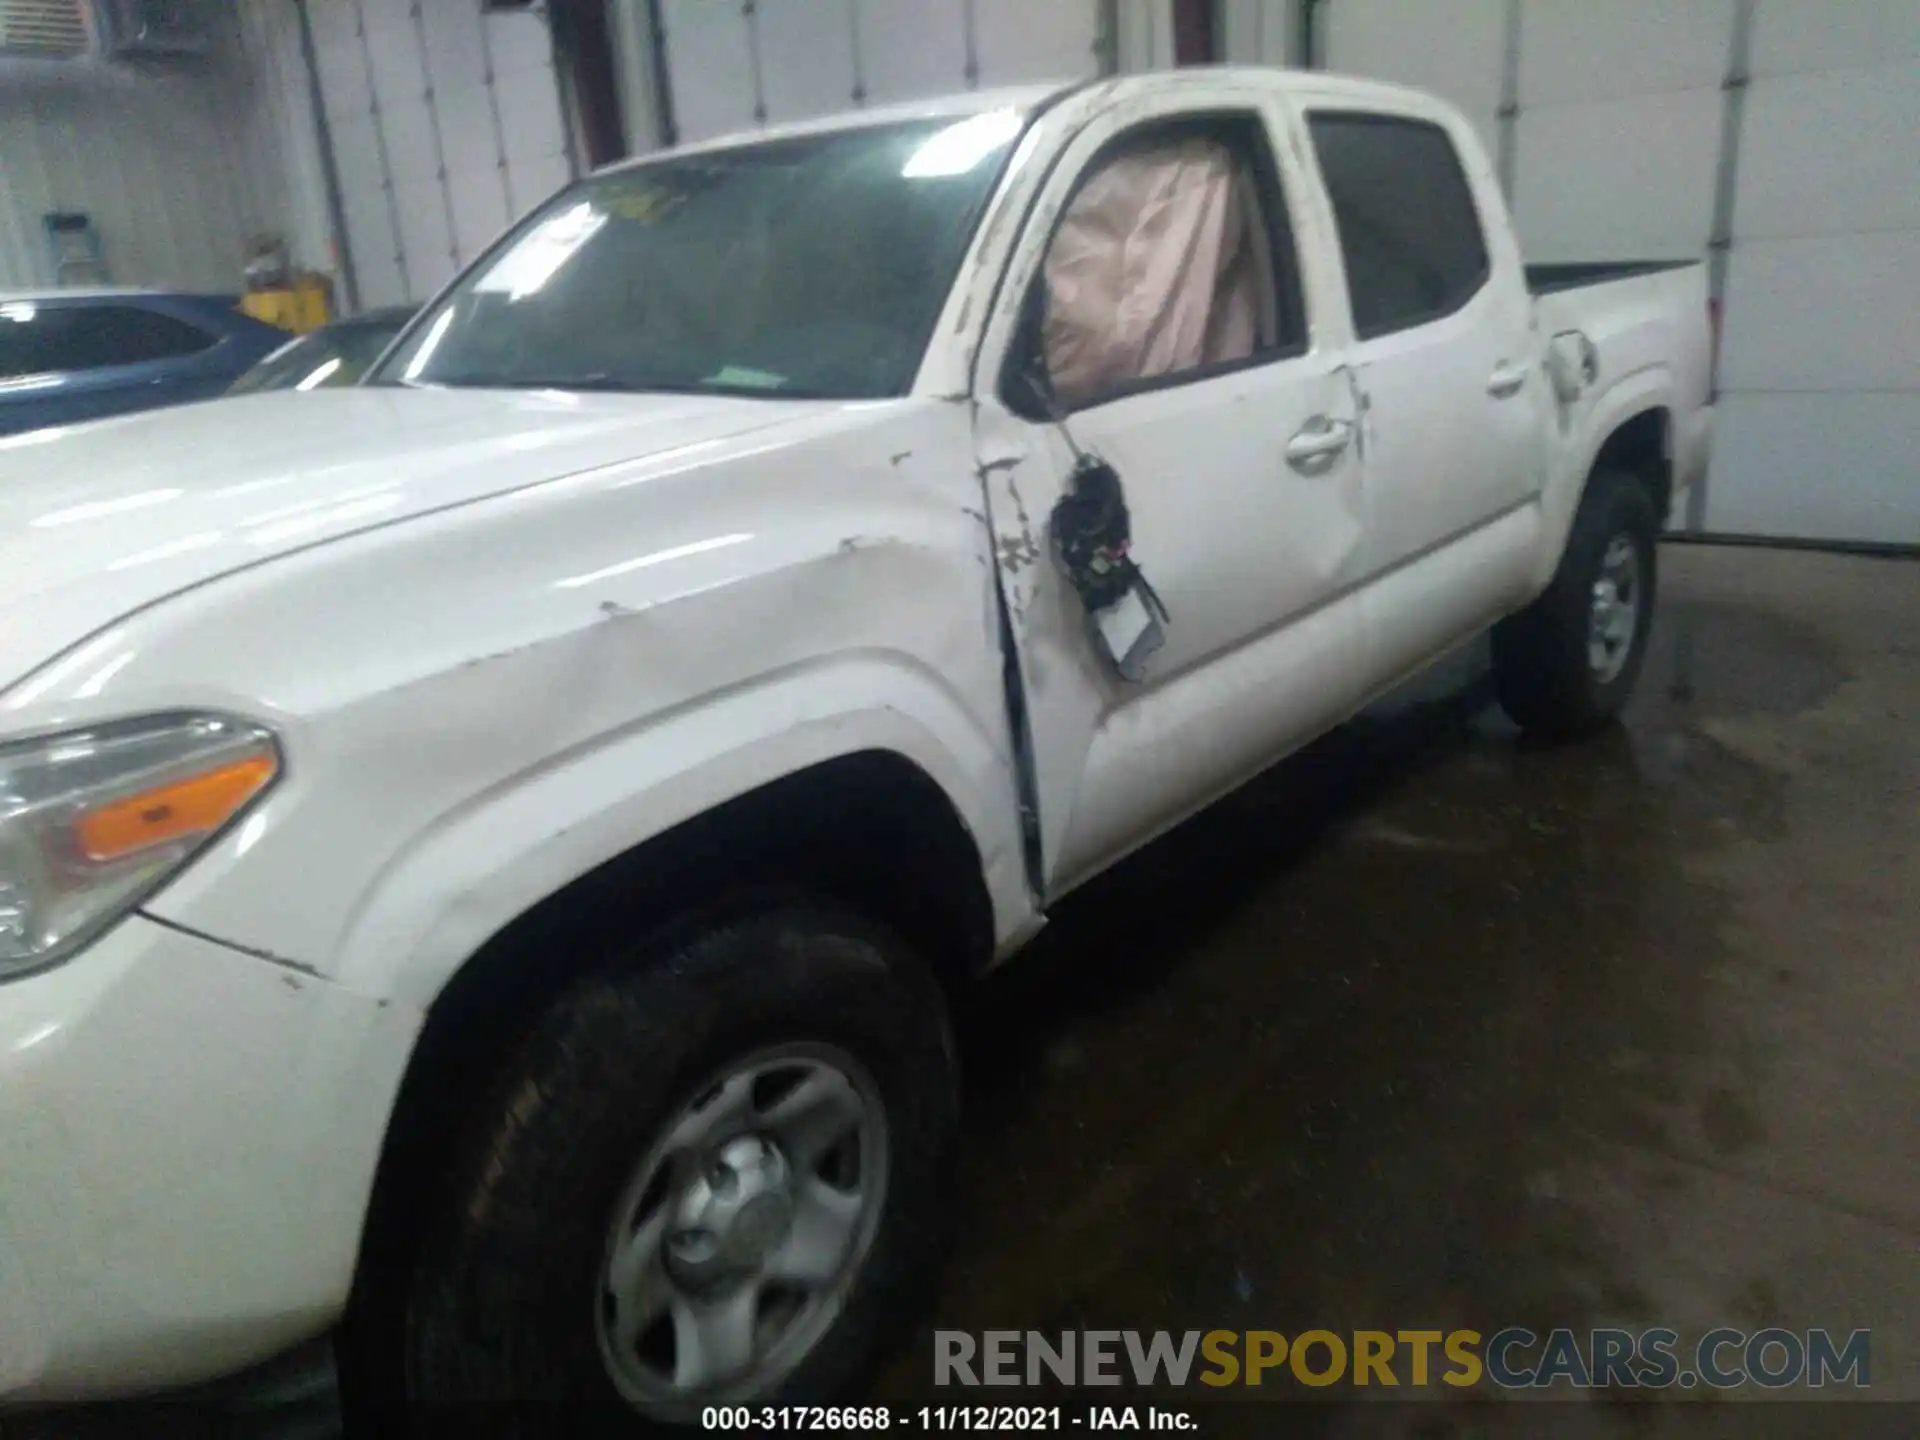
(43, 27)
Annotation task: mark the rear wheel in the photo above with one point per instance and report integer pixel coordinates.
(714, 1175)
(1566, 665)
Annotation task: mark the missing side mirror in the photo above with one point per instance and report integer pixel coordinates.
(1030, 390)
(1028, 385)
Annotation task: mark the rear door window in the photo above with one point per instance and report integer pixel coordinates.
(1409, 231)
(17, 346)
(63, 338)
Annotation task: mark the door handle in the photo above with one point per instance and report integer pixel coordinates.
(1507, 380)
(1317, 444)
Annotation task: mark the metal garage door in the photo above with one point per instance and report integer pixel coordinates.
(1782, 129)
(1613, 110)
(445, 124)
(1617, 139)
(1820, 411)
(1458, 58)
(732, 66)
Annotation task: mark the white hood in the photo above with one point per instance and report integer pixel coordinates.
(100, 520)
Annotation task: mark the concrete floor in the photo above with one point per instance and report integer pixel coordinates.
(1433, 1027)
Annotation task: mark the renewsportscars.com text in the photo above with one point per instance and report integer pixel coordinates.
(1511, 1358)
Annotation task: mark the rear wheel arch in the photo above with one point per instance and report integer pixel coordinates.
(1554, 663)
(1641, 445)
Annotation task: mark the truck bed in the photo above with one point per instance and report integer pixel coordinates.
(1625, 322)
(1547, 279)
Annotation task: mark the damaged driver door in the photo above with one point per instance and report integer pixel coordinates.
(1154, 317)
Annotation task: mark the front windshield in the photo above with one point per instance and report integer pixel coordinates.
(805, 267)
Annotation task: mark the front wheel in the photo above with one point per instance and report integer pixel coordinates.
(715, 1176)
(1566, 665)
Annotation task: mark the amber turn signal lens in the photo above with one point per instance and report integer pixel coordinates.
(197, 805)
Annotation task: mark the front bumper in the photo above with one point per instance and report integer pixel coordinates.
(188, 1137)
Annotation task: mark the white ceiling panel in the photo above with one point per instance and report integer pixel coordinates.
(1796, 36)
(709, 67)
(1830, 152)
(912, 48)
(1820, 467)
(806, 57)
(1618, 178)
(1837, 312)
(1018, 42)
(1456, 50)
(1573, 50)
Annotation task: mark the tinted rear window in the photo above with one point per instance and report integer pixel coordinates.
(46, 339)
(1408, 228)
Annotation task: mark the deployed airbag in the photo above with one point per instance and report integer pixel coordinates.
(1152, 270)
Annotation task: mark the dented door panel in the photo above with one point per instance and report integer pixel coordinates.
(1254, 557)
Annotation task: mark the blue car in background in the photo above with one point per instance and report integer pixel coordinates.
(73, 355)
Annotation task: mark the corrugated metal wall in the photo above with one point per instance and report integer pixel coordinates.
(446, 124)
(177, 162)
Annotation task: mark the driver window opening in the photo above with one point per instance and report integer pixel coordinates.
(1171, 260)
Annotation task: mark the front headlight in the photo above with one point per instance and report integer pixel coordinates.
(93, 821)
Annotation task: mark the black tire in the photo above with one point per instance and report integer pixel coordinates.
(499, 1328)
(1541, 666)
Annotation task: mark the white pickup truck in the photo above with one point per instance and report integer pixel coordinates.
(483, 853)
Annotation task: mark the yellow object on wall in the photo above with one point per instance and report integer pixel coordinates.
(301, 307)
